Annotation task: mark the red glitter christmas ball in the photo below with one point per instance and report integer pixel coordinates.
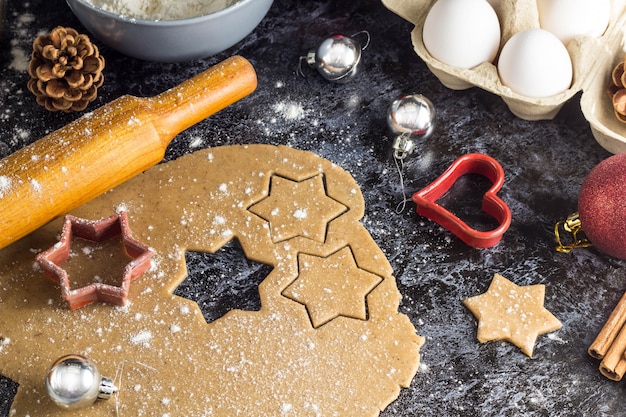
(602, 206)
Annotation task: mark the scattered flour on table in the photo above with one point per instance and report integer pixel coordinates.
(290, 110)
(19, 61)
(162, 9)
(196, 142)
(20, 57)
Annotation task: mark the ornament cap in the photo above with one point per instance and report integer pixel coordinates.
(573, 226)
(310, 58)
(403, 146)
(107, 388)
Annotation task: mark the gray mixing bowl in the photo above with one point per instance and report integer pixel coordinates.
(172, 40)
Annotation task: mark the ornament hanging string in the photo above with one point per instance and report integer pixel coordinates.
(367, 35)
(409, 117)
(118, 380)
(399, 162)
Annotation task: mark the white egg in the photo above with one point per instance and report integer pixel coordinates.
(535, 63)
(570, 18)
(462, 33)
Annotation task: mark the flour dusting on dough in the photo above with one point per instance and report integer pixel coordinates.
(300, 214)
(142, 338)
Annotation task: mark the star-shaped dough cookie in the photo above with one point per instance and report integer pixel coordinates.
(298, 208)
(332, 287)
(513, 313)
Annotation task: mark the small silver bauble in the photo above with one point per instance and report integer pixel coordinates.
(73, 381)
(337, 58)
(411, 116)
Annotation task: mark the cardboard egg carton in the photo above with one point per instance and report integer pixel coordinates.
(593, 59)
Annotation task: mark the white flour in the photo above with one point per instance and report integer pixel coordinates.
(162, 9)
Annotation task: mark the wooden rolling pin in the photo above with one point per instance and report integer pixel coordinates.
(106, 147)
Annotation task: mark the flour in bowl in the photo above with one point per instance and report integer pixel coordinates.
(162, 9)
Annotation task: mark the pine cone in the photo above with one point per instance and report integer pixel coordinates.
(65, 70)
(617, 90)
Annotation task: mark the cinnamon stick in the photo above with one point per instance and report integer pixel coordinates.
(604, 340)
(613, 366)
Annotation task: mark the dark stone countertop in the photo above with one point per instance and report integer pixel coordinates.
(545, 163)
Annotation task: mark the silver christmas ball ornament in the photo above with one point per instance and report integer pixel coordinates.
(73, 382)
(410, 117)
(337, 58)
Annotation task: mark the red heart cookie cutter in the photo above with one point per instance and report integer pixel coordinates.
(426, 200)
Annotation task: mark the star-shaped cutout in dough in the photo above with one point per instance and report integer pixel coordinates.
(298, 209)
(513, 313)
(95, 231)
(332, 287)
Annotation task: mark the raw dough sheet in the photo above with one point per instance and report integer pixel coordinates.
(328, 339)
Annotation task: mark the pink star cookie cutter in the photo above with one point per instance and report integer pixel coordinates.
(95, 231)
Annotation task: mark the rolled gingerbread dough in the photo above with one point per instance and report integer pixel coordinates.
(327, 341)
